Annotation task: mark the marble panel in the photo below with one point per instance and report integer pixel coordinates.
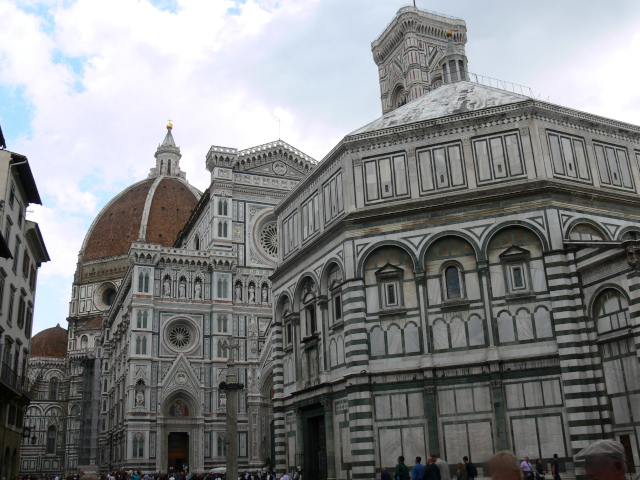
(515, 397)
(533, 394)
(411, 338)
(345, 436)
(524, 326)
(340, 351)
(635, 405)
(447, 402)
(525, 437)
(621, 412)
(497, 280)
(410, 294)
(458, 333)
(613, 376)
(373, 305)
(538, 276)
(482, 399)
(376, 337)
(399, 406)
(456, 442)
(505, 328)
(291, 451)
(472, 285)
(440, 335)
(464, 400)
(542, 319)
(551, 392)
(433, 290)
(390, 446)
(632, 372)
(394, 340)
(383, 407)
(481, 442)
(551, 437)
(416, 404)
(413, 441)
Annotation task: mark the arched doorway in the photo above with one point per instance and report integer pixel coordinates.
(181, 431)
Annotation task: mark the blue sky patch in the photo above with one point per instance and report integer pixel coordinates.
(16, 114)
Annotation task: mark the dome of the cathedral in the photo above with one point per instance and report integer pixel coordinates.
(153, 211)
(51, 342)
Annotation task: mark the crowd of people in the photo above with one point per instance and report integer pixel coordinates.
(604, 460)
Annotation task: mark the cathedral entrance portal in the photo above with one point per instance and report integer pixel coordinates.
(178, 451)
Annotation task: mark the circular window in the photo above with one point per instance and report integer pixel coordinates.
(269, 239)
(179, 336)
(104, 296)
(109, 296)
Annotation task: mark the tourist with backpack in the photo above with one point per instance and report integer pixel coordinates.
(472, 471)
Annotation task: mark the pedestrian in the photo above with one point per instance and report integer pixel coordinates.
(417, 471)
(445, 472)
(432, 472)
(604, 460)
(472, 471)
(462, 473)
(385, 475)
(527, 471)
(402, 471)
(540, 472)
(504, 466)
(285, 476)
(555, 467)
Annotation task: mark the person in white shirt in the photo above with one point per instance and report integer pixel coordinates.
(285, 476)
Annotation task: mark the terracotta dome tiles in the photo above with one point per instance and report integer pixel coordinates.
(51, 342)
(169, 216)
(119, 225)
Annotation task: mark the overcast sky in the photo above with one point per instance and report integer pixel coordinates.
(86, 87)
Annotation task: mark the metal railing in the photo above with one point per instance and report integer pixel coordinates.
(501, 84)
(11, 377)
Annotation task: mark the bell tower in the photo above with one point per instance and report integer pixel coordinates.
(408, 54)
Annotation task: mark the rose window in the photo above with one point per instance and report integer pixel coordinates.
(269, 239)
(179, 336)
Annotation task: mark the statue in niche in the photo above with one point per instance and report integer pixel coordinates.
(198, 290)
(252, 293)
(265, 293)
(182, 289)
(140, 398)
(166, 289)
(238, 292)
(223, 400)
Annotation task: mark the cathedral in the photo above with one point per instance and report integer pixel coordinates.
(457, 277)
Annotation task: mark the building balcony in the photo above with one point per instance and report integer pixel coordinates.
(11, 382)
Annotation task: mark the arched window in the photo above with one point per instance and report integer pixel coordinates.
(144, 345)
(140, 282)
(138, 344)
(169, 167)
(224, 207)
(453, 287)
(105, 386)
(53, 389)
(146, 283)
(196, 242)
(138, 446)
(224, 230)
(144, 319)
(585, 232)
(219, 207)
(220, 229)
(84, 342)
(222, 445)
(139, 319)
(222, 324)
(610, 311)
(51, 440)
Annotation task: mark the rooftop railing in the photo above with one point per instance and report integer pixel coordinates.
(11, 377)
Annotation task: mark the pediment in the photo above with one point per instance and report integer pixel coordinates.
(276, 159)
(279, 168)
(514, 251)
(389, 270)
(180, 376)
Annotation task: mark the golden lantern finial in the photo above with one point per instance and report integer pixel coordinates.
(169, 125)
(449, 33)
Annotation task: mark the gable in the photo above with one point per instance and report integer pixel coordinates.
(514, 252)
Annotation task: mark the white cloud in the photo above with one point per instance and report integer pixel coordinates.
(102, 78)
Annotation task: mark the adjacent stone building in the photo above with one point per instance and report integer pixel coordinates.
(22, 252)
(468, 284)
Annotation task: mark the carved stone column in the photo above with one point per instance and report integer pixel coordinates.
(231, 388)
(328, 430)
